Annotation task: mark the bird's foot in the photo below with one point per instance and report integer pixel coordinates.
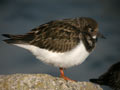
(66, 78)
(63, 76)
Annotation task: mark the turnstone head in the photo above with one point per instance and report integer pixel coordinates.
(61, 43)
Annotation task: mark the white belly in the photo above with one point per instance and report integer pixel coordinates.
(67, 59)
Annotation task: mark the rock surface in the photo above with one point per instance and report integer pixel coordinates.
(42, 82)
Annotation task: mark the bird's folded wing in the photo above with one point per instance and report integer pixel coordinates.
(56, 36)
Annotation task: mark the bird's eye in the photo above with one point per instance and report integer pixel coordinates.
(91, 29)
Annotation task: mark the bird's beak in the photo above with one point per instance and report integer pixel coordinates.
(98, 81)
(101, 35)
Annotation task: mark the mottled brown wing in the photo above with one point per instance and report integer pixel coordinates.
(56, 36)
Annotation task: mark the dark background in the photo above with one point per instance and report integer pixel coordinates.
(19, 16)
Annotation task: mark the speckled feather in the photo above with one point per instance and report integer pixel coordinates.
(59, 35)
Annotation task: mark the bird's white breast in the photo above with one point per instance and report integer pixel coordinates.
(67, 59)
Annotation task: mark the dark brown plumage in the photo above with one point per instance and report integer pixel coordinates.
(110, 78)
(60, 35)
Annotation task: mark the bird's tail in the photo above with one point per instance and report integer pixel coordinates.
(13, 39)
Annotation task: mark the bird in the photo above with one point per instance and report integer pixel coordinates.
(110, 78)
(61, 43)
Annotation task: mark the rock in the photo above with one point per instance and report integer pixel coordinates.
(42, 82)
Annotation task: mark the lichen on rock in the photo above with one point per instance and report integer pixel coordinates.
(42, 82)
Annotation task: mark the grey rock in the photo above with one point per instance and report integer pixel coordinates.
(42, 82)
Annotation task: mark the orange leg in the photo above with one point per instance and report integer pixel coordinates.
(63, 76)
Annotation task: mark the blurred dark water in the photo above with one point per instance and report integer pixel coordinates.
(19, 16)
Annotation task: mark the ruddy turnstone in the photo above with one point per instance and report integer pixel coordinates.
(61, 43)
(111, 78)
